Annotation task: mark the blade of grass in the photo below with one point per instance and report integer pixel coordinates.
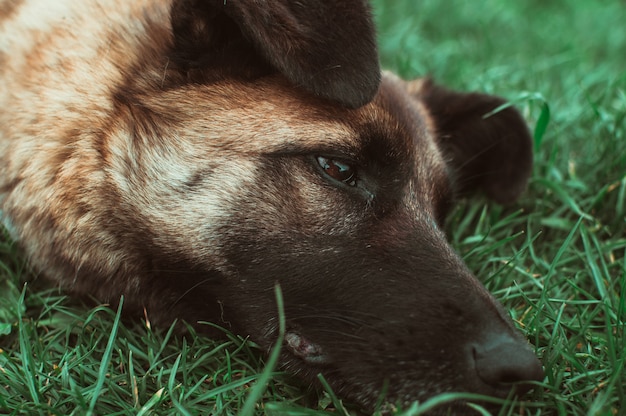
(106, 359)
(261, 384)
(593, 266)
(154, 400)
(542, 124)
(333, 397)
(172, 387)
(28, 364)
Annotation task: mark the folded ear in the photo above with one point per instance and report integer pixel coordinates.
(326, 47)
(486, 150)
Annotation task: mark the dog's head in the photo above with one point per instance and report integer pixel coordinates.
(254, 142)
(296, 166)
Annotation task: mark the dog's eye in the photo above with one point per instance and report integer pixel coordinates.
(337, 170)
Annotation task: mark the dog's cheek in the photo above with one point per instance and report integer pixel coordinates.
(186, 205)
(275, 223)
(290, 198)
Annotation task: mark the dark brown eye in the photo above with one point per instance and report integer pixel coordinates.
(337, 170)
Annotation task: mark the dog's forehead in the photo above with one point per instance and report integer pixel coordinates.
(271, 116)
(397, 117)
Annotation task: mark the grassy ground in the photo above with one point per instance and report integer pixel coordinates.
(557, 260)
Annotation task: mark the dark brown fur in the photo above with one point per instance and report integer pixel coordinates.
(168, 152)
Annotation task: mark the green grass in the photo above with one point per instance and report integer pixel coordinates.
(557, 259)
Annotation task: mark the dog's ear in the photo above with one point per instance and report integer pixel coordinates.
(326, 47)
(487, 150)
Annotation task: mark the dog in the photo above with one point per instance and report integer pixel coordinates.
(191, 154)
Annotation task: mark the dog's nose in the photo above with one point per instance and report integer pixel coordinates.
(504, 360)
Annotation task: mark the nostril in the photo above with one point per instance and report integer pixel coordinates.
(507, 361)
